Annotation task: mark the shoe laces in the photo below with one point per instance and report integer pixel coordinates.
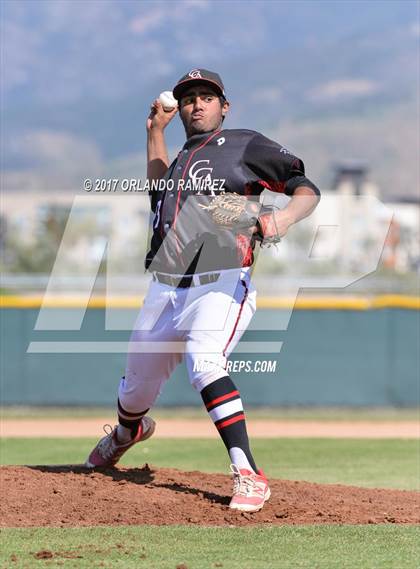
(106, 446)
(242, 483)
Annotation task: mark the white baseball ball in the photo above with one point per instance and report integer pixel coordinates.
(168, 101)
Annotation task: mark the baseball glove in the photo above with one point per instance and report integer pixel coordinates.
(235, 212)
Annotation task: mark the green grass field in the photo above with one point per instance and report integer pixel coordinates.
(380, 463)
(309, 547)
(181, 413)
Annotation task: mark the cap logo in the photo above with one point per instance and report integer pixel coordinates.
(195, 74)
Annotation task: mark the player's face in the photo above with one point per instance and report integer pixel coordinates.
(201, 110)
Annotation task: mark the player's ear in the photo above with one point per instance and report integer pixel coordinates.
(225, 106)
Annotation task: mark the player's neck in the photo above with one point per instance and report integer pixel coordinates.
(201, 135)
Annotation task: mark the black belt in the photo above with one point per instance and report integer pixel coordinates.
(186, 281)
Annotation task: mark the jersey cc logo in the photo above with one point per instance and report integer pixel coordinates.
(197, 172)
(201, 175)
(221, 141)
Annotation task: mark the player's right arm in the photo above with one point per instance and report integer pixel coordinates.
(157, 153)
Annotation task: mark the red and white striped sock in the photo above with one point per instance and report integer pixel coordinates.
(224, 405)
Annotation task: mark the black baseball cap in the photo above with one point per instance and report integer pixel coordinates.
(196, 76)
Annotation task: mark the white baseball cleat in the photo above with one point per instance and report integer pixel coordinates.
(250, 490)
(108, 451)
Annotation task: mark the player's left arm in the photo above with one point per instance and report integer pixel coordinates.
(304, 199)
(280, 171)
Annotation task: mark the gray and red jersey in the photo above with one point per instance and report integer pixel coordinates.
(185, 240)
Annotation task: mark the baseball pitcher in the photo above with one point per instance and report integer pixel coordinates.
(207, 222)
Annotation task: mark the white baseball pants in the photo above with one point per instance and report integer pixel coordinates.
(202, 324)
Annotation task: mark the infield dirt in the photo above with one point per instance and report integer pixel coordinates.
(72, 496)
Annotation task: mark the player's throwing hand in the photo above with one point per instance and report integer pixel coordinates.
(158, 118)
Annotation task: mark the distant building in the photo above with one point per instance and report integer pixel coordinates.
(402, 249)
(353, 205)
(94, 218)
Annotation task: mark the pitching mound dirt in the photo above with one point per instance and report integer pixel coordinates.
(76, 496)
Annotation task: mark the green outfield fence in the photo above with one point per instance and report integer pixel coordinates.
(336, 352)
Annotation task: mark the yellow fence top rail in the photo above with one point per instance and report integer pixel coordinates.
(301, 303)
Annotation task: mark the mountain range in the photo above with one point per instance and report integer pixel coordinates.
(330, 80)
